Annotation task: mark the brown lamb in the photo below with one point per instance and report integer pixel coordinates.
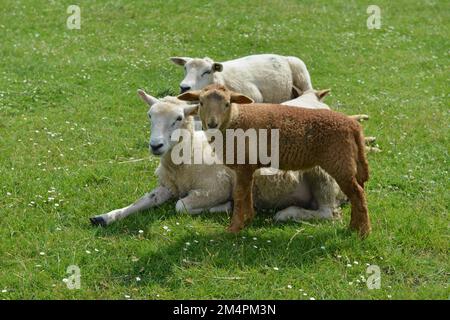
(307, 138)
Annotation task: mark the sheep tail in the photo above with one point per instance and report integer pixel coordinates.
(300, 75)
(362, 174)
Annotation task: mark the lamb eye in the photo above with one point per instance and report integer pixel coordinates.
(227, 104)
(201, 104)
(206, 72)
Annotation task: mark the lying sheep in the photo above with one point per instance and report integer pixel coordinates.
(307, 138)
(263, 77)
(203, 187)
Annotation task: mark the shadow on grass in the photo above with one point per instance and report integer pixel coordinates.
(275, 245)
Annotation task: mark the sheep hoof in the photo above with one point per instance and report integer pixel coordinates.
(234, 228)
(363, 230)
(282, 216)
(98, 221)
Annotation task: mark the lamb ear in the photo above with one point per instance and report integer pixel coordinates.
(217, 67)
(181, 61)
(320, 94)
(240, 98)
(189, 96)
(147, 98)
(190, 110)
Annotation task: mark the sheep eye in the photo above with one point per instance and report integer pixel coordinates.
(227, 104)
(201, 104)
(206, 72)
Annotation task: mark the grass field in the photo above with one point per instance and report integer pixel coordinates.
(71, 121)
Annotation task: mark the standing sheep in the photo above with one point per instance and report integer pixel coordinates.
(263, 77)
(312, 99)
(204, 187)
(307, 138)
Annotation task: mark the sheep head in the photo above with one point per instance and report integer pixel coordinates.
(215, 104)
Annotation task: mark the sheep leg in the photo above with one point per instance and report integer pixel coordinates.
(224, 207)
(359, 220)
(298, 214)
(154, 198)
(359, 117)
(325, 192)
(198, 201)
(243, 211)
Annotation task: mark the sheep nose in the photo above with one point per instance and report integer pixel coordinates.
(184, 88)
(212, 125)
(155, 147)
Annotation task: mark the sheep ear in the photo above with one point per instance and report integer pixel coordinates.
(240, 98)
(147, 98)
(181, 61)
(189, 96)
(191, 110)
(320, 94)
(217, 67)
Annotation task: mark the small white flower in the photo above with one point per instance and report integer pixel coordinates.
(188, 243)
(276, 268)
(289, 286)
(4, 291)
(88, 252)
(268, 241)
(255, 238)
(65, 280)
(141, 231)
(42, 253)
(322, 247)
(256, 247)
(389, 296)
(127, 296)
(166, 228)
(8, 193)
(311, 298)
(138, 279)
(355, 262)
(350, 283)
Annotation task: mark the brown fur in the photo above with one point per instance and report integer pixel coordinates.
(307, 138)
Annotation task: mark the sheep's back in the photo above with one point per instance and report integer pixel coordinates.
(304, 134)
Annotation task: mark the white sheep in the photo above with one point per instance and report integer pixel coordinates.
(263, 77)
(203, 187)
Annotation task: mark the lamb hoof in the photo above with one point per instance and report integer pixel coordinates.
(363, 230)
(234, 228)
(98, 221)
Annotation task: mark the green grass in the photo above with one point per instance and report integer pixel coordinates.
(70, 115)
